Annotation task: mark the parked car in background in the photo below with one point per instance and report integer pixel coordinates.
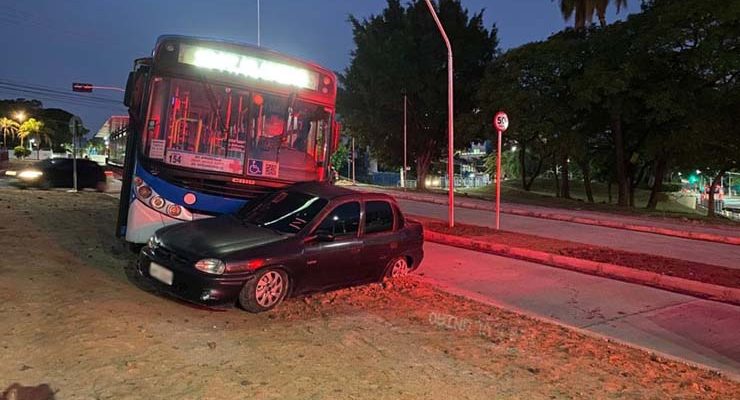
(58, 172)
(306, 238)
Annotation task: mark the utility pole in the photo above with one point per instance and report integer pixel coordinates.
(405, 167)
(258, 23)
(353, 160)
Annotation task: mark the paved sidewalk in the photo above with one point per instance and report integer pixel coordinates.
(699, 331)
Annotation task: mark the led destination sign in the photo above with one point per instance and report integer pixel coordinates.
(248, 66)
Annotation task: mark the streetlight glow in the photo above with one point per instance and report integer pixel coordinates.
(20, 116)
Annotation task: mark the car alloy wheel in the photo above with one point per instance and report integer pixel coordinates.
(265, 291)
(270, 289)
(398, 267)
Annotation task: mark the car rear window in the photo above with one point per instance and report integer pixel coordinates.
(378, 217)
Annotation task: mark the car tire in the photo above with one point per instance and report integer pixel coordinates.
(397, 268)
(44, 185)
(265, 291)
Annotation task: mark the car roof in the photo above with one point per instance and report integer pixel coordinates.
(331, 192)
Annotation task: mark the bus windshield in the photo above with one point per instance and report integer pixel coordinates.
(197, 125)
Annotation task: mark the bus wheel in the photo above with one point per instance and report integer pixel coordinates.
(265, 291)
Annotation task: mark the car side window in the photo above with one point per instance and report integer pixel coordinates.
(378, 217)
(342, 221)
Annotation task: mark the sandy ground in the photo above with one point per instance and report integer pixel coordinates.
(71, 319)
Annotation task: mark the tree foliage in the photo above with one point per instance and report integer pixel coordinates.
(400, 52)
(55, 123)
(628, 102)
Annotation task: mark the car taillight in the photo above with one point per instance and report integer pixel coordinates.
(174, 210)
(144, 191)
(138, 181)
(157, 202)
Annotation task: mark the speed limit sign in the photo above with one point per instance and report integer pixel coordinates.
(501, 121)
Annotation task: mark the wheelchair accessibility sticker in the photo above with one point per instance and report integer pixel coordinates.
(262, 168)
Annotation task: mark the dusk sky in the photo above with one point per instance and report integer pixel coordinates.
(53, 43)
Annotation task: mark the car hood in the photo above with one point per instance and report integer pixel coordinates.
(213, 237)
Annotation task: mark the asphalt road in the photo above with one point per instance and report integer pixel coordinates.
(697, 330)
(725, 255)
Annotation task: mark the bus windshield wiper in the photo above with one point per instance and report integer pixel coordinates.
(211, 95)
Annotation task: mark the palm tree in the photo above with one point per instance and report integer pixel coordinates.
(31, 127)
(584, 10)
(8, 125)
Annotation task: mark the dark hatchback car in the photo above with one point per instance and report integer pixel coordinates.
(58, 172)
(306, 238)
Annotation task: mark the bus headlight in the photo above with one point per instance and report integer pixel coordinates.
(144, 191)
(211, 266)
(157, 202)
(174, 210)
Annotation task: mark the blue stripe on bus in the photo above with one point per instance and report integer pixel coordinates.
(204, 202)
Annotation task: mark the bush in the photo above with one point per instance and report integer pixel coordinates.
(21, 152)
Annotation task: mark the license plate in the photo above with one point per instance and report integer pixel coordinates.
(160, 273)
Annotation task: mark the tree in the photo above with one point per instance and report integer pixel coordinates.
(31, 127)
(339, 158)
(400, 51)
(8, 126)
(584, 10)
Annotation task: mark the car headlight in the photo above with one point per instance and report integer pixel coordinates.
(211, 266)
(29, 174)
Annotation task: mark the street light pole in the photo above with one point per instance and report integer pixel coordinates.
(258, 23)
(450, 125)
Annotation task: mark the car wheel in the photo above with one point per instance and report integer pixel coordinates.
(397, 267)
(45, 184)
(265, 291)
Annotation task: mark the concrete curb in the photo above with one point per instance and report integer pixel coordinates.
(709, 237)
(528, 314)
(694, 288)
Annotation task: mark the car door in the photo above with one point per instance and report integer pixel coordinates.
(335, 262)
(87, 173)
(62, 172)
(380, 242)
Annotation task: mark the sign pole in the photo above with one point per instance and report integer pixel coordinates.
(500, 123)
(74, 122)
(498, 182)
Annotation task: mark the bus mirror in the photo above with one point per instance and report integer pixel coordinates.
(129, 89)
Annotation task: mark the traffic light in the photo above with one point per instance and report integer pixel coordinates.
(693, 179)
(82, 87)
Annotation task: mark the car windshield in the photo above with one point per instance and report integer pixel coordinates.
(284, 211)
